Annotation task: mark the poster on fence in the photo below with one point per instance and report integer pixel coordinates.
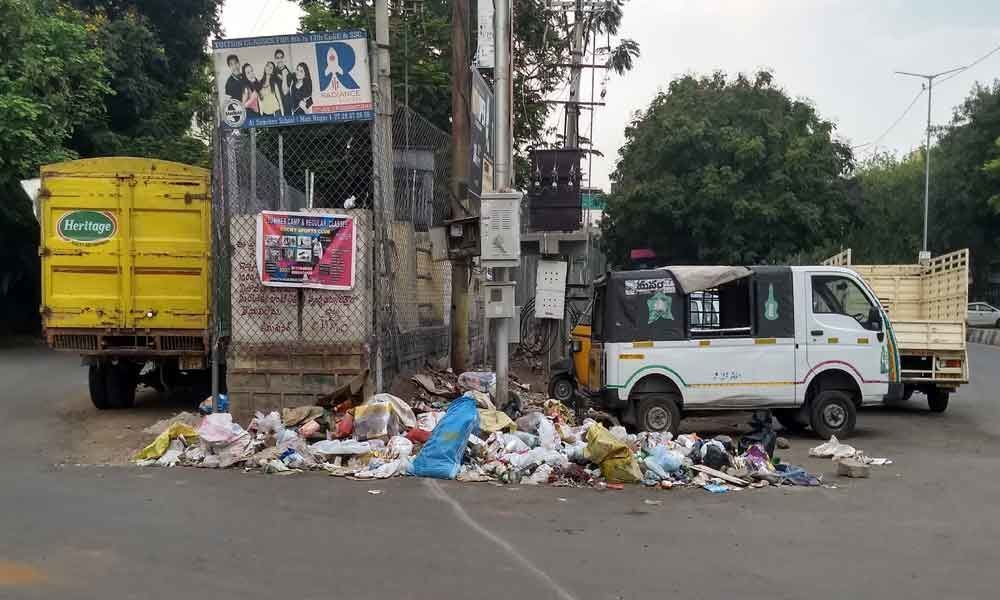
(293, 79)
(306, 250)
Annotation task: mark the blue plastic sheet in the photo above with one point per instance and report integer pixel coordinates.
(441, 456)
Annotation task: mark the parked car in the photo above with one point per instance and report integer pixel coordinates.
(981, 314)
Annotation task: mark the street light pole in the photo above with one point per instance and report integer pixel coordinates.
(927, 152)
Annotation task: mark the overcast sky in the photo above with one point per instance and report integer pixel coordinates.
(840, 54)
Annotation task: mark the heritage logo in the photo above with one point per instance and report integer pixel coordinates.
(87, 226)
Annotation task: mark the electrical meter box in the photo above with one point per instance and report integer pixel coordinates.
(500, 229)
(499, 299)
(550, 289)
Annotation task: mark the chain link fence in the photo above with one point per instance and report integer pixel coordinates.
(394, 184)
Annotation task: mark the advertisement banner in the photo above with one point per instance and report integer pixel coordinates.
(306, 250)
(293, 79)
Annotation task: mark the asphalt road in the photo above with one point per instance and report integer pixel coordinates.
(925, 527)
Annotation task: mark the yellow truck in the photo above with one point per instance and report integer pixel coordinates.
(126, 259)
(927, 305)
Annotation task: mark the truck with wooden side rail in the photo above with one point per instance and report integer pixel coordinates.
(126, 259)
(927, 304)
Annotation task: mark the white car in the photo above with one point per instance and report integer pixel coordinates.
(982, 315)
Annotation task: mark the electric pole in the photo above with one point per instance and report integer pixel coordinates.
(573, 107)
(461, 85)
(503, 172)
(927, 152)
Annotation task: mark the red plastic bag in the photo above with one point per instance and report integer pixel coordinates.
(345, 426)
(418, 435)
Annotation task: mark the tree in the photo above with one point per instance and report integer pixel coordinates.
(52, 77)
(962, 215)
(721, 170)
(421, 45)
(160, 77)
(889, 223)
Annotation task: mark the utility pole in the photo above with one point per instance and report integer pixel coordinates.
(927, 152)
(573, 106)
(386, 188)
(461, 86)
(503, 173)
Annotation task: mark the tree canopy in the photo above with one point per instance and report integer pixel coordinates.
(727, 170)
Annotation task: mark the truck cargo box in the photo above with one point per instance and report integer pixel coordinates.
(126, 256)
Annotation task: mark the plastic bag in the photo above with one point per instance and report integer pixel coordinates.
(762, 433)
(541, 475)
(537, 456)
(531, 441)
(494, 420)
(668, 460)
(479, 381)
(401, 409)
(482, 400)
(621, 469)
(171, 455)
(441, 456)
(654, 472)
(714, 455)
(418, 435)
(529, 422)
(235, 451)
(833, 449)
(429, 420)
(340, 447)
(399, 447)
(219, 428)
(162, 441)
(547, 434)
(601, 444)
(271, 423)
(345, 426)
(619, 432)
(374, 421)
(309, 429)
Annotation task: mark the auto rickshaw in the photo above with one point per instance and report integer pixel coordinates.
(571, 374)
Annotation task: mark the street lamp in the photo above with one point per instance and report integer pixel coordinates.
(927, 154)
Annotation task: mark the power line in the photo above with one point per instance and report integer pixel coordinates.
(260, 15)
(972, 64)
(894, 123)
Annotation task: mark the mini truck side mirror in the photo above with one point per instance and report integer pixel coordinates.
(875, 318)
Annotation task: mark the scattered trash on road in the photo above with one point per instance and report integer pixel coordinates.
(450, 428)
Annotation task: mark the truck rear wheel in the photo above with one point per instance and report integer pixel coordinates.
(658, 413)
(97, 382)
(832, 413)
(937, 400)
(121, 381)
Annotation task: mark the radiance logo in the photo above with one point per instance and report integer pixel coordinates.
(87, 226)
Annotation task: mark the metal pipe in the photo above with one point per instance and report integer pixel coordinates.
(252, 205)
(281, 172)
(927, 161)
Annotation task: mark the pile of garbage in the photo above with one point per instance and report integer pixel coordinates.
(471, 440)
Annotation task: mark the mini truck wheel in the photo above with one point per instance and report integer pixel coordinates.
(658, 413)
(937, 400)
(561, 388)
(832, 413)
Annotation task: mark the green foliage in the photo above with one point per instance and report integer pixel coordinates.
(51, 78)
(961, 189)
(160, 78)
(721, 170)
(889, 227)
(19, 268)
(421, 42)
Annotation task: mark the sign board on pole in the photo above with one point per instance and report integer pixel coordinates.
(482, 116)
(293, 79)
(485, 50)
(306, 250)
(593, 200)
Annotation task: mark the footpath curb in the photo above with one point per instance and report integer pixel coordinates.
(990, 337)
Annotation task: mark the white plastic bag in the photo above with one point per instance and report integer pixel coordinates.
(400, 447)
(541, 475)
(833, 449)
(340, 447)
(429, 420)
(619, 432)
(537, 456)
(271, 423)
(547, 434)
(403, 411)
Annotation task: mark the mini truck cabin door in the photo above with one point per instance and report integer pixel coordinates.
(846, 330)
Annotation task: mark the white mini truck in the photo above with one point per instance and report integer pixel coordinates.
(812, 344)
